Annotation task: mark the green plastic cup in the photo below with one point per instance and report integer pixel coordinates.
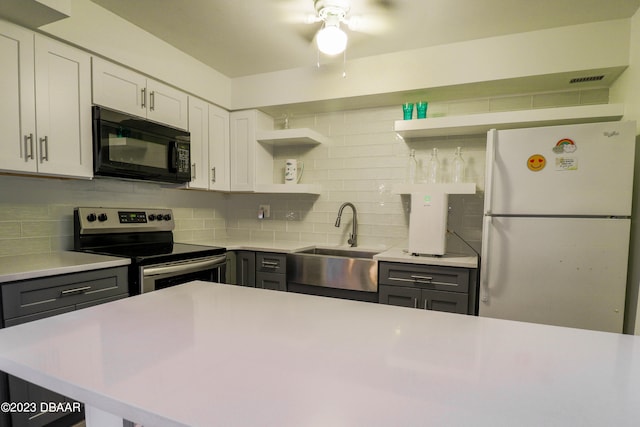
(421, 109)
(407, 110)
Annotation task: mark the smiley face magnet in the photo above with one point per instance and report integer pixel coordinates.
(536, 162)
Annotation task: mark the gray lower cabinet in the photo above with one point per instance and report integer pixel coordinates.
(271, 271)
(451, 289)
(29, 300)
(265, 270)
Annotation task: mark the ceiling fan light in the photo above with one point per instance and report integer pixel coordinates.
(331, 40)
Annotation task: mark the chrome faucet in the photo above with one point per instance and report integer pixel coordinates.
(353, 237)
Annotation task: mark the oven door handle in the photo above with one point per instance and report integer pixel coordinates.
(184, 267)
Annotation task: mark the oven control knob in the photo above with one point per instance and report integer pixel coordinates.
(91, 217)
(167, 217)
(102, 217)
(152, 217)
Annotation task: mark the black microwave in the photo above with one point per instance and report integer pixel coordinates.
(130, 147)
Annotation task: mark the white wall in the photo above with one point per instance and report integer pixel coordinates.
(627, 90)
(539, 53)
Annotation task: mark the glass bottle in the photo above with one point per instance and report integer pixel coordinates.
(457, 173)
(433, 167)
(412, 168)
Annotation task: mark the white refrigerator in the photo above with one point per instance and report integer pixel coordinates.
(556, 224)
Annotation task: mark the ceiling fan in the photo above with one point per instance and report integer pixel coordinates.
(331, 38)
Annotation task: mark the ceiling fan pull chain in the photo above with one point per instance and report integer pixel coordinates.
(344, 64)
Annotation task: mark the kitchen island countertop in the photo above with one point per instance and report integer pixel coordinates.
(204, 354)
(24, 267)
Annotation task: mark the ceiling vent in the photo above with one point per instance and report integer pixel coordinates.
(587, 79)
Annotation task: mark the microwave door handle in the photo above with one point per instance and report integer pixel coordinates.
(173, 156)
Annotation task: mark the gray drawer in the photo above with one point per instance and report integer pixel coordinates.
(30, 297)
(450, 279)
(274, 281)
(268, 262)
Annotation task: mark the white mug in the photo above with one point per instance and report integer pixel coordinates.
(293, 171)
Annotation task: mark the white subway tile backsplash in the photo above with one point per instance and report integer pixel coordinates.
(10, 229)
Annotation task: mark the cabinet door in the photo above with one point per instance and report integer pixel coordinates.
(451, 302)
(242, 150)
(199, 129)
(22, 391)
(167, 105)
(118, 88)
(63, 109)
(273, 281)
(400, 296)
(246, 268)
(219, 175)
(17, 102)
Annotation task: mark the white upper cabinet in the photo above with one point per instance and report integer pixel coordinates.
(118, 88)
(17, 103)
(125, 90)
(63, 109)
(199, 130)
(166, 104)
(48, 83)
(219, 163)
(243, 149)
(209, 128)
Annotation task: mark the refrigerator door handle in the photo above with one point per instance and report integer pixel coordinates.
(484, 271)
(492, 137)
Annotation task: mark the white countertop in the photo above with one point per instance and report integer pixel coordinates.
(448, 260)
(384, 253)
(22, 267)
(258, 245)
(205, 354)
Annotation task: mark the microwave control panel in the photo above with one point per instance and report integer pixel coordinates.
(184, 159)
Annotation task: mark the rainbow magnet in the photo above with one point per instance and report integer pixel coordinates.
(565, 145)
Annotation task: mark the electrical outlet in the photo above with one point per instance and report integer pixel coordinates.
(266, 210)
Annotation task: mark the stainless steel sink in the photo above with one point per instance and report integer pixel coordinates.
(339, 268)
(339, 252)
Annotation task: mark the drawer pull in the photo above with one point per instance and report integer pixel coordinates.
(270, 264)
(425, 280)
(75, 291)
(421, 278)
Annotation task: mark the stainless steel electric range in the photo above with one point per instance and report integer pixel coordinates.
(146, 237)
